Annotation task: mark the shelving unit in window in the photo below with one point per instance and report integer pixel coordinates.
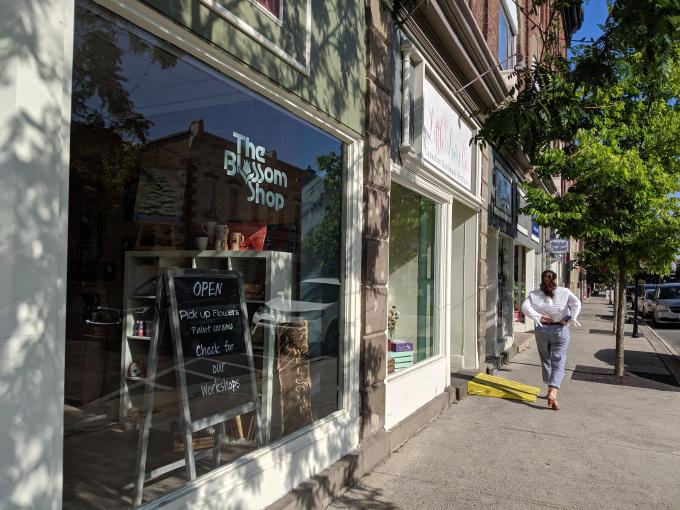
(140, 287)
(266, 275)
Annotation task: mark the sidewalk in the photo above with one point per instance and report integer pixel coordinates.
(612, 445)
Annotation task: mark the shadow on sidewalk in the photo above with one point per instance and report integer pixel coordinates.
(363, 497)
(633, 377)
(628, 334)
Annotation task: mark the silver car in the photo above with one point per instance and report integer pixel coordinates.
(667, 303)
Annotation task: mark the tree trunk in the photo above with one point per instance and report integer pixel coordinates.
(620, 320)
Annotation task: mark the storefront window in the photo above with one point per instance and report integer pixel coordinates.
(411, 314)
(204, 287)
(504, 315)
(520, 279)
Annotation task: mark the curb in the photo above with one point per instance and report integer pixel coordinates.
(660, 346)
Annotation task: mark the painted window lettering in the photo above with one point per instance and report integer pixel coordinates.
(249, 162)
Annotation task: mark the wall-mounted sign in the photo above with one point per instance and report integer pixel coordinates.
(446, 137)
(535, 231)
(502, 196)
(249, 162)
(558, 246)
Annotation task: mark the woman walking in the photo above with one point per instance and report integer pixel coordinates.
(552, 307)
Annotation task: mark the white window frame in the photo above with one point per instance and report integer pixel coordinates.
(411, 388)
(303, 66)
(318, 445)
(507, 10)
(277, 18)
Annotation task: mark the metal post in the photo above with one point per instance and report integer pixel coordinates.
(635, 307)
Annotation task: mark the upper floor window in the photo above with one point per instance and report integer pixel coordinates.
(505, 40)
(272, 6)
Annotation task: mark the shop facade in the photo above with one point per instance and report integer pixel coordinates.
(527, 265)
(435, 198)
(500, 256)
(159, 153)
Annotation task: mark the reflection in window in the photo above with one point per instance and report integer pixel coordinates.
(175, 166)
(505, 40)
(412, 278)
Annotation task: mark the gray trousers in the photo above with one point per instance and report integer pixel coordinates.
(552, 343)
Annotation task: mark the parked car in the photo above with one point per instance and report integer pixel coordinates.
(630, 291)
(318, 305)
(666, 304)
(646, 302)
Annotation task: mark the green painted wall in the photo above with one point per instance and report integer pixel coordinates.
(337, 73)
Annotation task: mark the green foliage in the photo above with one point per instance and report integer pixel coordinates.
(614, 108)
(323, 242)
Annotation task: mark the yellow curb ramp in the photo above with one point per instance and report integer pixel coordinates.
(498, 387)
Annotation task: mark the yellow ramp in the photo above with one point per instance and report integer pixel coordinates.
(492, 386)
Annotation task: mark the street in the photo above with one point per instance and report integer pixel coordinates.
(669, 332)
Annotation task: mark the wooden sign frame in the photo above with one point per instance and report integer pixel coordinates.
(167, 312)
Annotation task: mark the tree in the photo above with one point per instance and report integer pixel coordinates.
(608, 123)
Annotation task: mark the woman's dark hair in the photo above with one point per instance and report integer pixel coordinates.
(548, 282)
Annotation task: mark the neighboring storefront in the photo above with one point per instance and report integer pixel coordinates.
(501, 292)
(204, 322)
(527, 264)
(434, 201)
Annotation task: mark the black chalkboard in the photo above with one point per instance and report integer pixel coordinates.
(213, 350)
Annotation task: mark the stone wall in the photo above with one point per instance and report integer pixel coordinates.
(375, 238)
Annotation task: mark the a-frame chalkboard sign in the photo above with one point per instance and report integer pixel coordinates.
(213, 354)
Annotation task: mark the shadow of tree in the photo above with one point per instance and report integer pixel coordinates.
(336, 80)
(32, 193)
(33, 203)
(362, 497)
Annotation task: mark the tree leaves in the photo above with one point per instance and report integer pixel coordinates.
(614, 111)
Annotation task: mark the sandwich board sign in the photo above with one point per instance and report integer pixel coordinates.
(213, 355)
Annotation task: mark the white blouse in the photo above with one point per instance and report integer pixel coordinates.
(562, 304)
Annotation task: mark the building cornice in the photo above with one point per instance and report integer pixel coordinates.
(447, 33)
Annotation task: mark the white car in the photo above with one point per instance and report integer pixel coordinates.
(646, 302)
(319, 305)
(667, 303)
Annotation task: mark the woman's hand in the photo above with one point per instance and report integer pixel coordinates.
(546, 319)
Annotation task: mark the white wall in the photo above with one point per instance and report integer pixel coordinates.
(463, 307)
(35, 82)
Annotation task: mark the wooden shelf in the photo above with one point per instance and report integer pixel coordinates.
(133, 337)
(144, 297)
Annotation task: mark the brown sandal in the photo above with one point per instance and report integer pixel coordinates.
(552, 403)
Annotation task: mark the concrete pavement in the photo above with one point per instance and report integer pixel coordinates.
(615, 443)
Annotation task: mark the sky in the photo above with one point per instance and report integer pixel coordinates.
(595, 13)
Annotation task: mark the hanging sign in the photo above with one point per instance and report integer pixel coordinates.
(558, 246)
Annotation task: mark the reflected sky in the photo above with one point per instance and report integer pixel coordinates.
(172, 97)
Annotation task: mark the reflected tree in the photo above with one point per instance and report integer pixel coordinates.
(323, 242)
(102, 109)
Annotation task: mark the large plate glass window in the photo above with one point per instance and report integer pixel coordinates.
(412, 279)
(176, 169)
